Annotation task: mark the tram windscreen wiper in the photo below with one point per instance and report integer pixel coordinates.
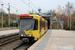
(29, 27)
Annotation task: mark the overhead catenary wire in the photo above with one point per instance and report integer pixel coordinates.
(33, 4)
(12, 10)
(12, 7)
(26, 4)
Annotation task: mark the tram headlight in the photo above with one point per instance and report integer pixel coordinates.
(21, 35)
(30, 35)
(26, 35)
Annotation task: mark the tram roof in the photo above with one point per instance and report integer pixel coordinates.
(32, 15)
(29, 15)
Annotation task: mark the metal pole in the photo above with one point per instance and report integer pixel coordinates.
(70, 18)
(2, 15)
(62, 25)
(16, 14)
(9, 14)
(51, 19)
(29, 8)
(16, 17)
(68, 13)
(13, 25)
(57, 25)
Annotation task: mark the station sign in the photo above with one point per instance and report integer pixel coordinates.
(60, 20)
(15, 21)
(8, 9)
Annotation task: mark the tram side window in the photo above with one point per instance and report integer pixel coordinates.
(42, 24)
(36, 25)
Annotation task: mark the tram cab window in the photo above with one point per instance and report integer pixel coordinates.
(27, 24)
(36, 25)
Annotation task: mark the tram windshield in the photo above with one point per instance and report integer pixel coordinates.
(27, 24)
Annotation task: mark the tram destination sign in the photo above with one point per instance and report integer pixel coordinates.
(26, 17)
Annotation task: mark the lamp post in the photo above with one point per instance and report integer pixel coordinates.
(51, 18)
(16, 18)
(2, 15)
(29, 8)
(9, 14)
(16, 14)
(63, 15)
(70, 17)
(68, 13)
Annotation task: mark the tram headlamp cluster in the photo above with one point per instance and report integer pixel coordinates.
(21, 35)
(30, 35)
(27, 35)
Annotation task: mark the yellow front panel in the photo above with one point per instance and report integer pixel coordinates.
(35, 16)
(35, 33)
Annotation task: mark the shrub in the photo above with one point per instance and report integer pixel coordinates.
(6, 22)
(11, 24)
(0, 24)
(67, 27)
(15, 24)
(5, 25)
(74, 23)
(73, 27)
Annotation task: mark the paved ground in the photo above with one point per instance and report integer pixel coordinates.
(6, 32)
(8, 28)
(56, 40)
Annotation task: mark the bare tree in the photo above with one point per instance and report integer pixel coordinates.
(69, 8)
(60, 11)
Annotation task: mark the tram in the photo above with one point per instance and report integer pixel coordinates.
(32, 27)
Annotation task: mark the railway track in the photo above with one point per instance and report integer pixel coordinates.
(8, 39)
(23, 46)
(13, 43)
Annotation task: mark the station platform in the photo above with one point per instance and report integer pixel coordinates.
(55, 40)
(8, 33)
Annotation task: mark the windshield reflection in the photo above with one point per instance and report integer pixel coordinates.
(26, 24)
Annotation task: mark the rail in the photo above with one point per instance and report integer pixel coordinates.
(8, 38)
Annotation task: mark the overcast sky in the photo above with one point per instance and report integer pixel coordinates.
(45, 5)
